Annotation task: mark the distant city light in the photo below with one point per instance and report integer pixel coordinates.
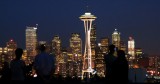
(99, 44)
(35, 75)
(35, 28)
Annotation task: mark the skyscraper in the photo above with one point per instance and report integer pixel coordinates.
(56, 50)
(93, 43)
(11, 47)
(101, 50)
(31, 42)
(76, 53)
(116, 38)
(87, 18)
(131, 52)
(104, 43)
(62, 62)
(3, 56)
(123, 46)
(131, 48)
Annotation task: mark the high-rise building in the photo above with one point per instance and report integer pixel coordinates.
(3, 56)
(31, 42)
(70, 62)
(87, 18)
(138, 53)
(93, 43)
(104, 43)
(62, 63)
(116, 38)
(56, 50)
(99, 62)
(11, 47)
(131, 48)
(25, 57)
(101, 50)
(76, 55)
(123, 46)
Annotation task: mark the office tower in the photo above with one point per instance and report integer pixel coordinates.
(25, 58)
(11, 47)
(31, 42)
(70, 62)
(99, 62)
(101, 50)
(131, 52)
(116, 38)
(3, 55)
(62, 62)
(56, 50)
(104, 43)
(138, 53)
(87, 18)
(93, 44)
(76, 53)
(131, 48)
(123, 46)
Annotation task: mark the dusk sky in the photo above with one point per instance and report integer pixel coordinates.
(137, 18)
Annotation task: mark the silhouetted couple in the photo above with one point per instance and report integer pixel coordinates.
(43, 64)
(116, 66)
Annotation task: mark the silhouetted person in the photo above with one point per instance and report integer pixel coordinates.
(109, 59)
(5, 72)
(44, 64)
(119, 70)
(18, 66)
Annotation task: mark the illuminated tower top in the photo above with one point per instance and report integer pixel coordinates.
(87, 16)
(116, 38)
(116, 31)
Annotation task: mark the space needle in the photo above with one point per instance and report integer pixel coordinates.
(87, 18)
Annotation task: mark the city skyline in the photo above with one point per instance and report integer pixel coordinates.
(139, 19)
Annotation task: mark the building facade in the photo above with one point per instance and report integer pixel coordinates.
(76, 53)
(56, 50)
(116, 38)
(31, 42)
(11, 47)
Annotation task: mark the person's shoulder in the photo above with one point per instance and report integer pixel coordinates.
(12, 61)
(22, 61)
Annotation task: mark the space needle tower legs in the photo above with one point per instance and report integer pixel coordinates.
(87, 18)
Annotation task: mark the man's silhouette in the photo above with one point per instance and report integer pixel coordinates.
(44, 64)
(109, 59)
(119, 70)
(18, 66)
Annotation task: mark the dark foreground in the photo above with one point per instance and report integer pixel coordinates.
(65, 81)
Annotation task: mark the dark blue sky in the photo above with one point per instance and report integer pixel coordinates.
(137, 18)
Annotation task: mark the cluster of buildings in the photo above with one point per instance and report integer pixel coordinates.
(70, 60)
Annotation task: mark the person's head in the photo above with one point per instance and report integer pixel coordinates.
(121, 54)
(112, 48)
(42, 48)
(18, 52)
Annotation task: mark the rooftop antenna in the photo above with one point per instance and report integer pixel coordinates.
(36, 25)
(87, 8)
